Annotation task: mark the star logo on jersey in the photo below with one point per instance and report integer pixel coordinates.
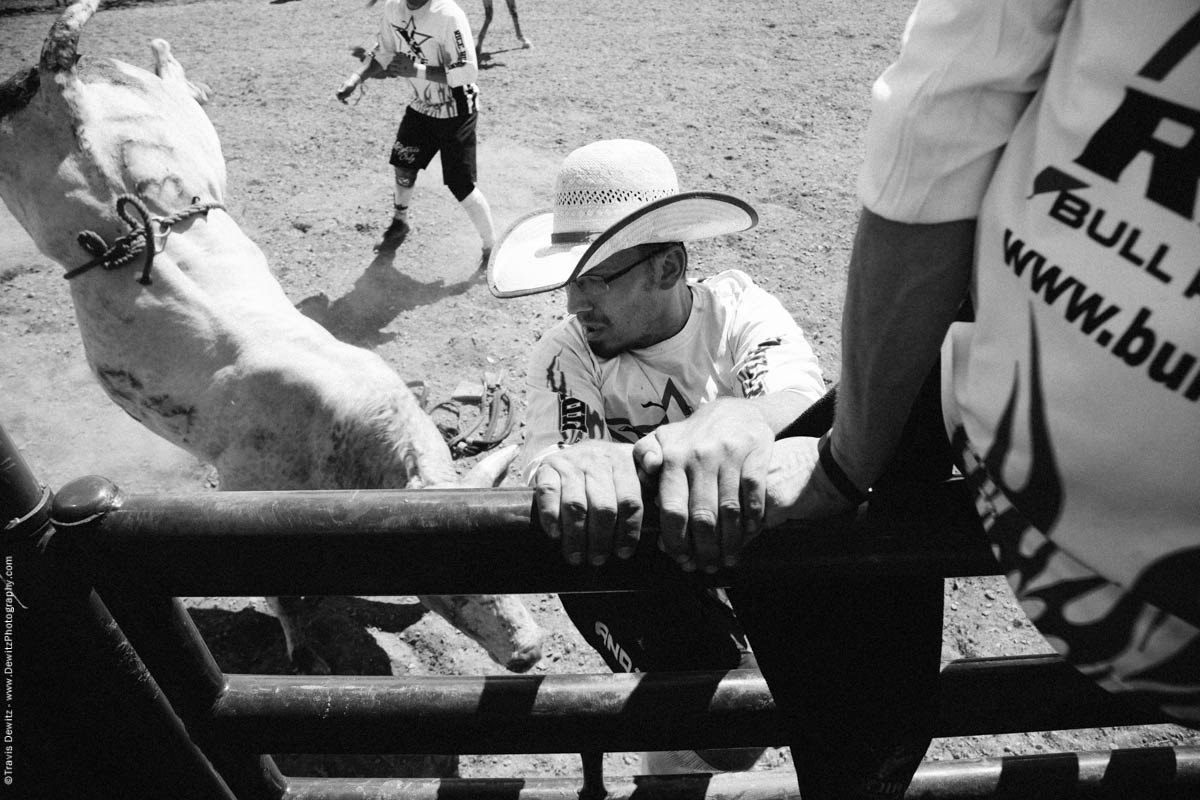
(412, 37)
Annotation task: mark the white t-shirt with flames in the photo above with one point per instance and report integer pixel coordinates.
(436, 34)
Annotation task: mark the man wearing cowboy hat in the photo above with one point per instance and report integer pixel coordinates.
(642, 351)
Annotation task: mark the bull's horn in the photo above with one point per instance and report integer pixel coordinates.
(58, 53)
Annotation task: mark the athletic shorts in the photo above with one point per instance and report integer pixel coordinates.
(673, 629)
(420, 137)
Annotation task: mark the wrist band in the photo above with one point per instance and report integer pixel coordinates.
(837, 476)
(420, 68)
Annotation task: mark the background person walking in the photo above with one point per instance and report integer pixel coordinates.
(429, 43)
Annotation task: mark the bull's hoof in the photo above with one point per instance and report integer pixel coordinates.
(305, 661)
(524, 659)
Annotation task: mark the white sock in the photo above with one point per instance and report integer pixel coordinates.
(477, 208)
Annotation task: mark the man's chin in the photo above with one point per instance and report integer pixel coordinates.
(602, 349)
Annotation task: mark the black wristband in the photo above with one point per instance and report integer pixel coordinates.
(837, 476)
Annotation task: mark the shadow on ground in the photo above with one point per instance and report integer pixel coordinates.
(379, 295)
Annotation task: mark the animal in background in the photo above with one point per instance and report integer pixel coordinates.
(117, 174)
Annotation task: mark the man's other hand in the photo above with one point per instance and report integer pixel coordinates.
(712, 473)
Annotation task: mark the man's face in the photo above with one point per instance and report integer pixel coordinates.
(624, 313)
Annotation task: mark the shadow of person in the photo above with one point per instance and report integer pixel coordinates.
(379, 295)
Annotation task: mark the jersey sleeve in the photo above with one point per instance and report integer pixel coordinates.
(458, 50)
(770, 353)
(563, 398)
(941, 114)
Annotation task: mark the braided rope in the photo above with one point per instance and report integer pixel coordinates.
(139, 240)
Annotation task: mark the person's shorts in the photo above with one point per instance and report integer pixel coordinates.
(678, 628)
(420, 137)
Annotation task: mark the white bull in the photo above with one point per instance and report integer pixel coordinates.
(210, 353)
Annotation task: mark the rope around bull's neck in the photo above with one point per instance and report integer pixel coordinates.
(140, 238)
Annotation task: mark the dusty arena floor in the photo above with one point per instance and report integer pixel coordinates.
(762, 99)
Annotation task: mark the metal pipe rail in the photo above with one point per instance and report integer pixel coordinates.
(1161, 772)
(572, 713)
(381, 542)
(142, 551)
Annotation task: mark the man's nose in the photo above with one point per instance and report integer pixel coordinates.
(576, 299)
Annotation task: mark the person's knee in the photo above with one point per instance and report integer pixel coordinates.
(461, 188)
(405, 178)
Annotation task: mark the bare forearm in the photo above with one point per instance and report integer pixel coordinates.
(905, 286)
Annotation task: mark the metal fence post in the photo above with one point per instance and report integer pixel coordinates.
(86, 719)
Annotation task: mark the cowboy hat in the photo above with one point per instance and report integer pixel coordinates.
(609, 196)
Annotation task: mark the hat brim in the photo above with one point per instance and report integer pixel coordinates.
(526, 262)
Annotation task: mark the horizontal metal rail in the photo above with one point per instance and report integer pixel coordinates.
(1161, 772)
(440, 541)
(577, 713)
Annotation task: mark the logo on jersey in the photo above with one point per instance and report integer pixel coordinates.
(674, 408)
(413, 38)
(754, 372)
(576, 421)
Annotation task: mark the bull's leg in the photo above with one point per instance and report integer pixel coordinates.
(291, 613)
(501, 624)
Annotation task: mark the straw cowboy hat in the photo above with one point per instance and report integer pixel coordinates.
(609, 196)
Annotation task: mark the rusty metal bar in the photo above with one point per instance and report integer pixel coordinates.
(413, 542)
(582, 713)
(1146, 774)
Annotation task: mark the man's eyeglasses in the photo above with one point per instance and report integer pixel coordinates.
(598, 284)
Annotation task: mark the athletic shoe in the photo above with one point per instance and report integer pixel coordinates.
(393, 236)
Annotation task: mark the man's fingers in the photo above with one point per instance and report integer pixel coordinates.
(601, 512)
(730, 516)
(756, 471)
(705, 497)
(673, 507)
(647, 455)
(629, 512)
(547, 489)
(573, 514)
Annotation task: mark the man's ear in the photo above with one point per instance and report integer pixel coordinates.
(672, 266)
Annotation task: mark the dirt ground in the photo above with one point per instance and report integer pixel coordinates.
(762, 99)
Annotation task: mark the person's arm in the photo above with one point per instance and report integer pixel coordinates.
(941, 115)
(586, 489)
(905, 286)
(369, 68)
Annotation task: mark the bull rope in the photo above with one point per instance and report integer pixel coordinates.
(140, 239)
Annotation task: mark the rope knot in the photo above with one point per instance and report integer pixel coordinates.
(139, 240)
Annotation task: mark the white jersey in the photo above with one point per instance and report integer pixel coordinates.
(1072, 131)
(739, 341)
(437, 34)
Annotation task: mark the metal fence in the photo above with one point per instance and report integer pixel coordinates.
(118, 696)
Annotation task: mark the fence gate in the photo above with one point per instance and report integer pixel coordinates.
(115, 694)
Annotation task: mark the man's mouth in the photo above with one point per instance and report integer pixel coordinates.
(592, 328)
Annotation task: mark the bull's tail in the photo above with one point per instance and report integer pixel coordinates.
(60, 52)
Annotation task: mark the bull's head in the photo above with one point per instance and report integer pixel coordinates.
(76, 133)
